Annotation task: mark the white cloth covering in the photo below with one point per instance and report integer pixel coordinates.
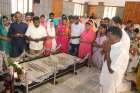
(110, 83)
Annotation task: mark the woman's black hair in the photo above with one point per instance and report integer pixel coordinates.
(136, 30)
(42, 15)
(4, 17)
(104, 26)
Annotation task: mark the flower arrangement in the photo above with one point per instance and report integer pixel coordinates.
(17, 67)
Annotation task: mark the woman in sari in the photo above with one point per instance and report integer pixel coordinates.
(50, 42)
(98, 56)
(43, 21)
(4, 40)
(63, 33)
(86, 40)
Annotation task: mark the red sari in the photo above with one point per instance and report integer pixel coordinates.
(86, 39)
(63, 37)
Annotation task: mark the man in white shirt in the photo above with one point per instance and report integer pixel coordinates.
(36, 35)
(116, 62)
(76, 30)
(117, 22)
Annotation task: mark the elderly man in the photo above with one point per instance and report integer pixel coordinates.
(17, 34)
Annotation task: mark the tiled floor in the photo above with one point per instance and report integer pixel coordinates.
(86, 81)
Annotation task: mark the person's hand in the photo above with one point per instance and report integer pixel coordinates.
(111, 71)
(36, 40)
(95, 44)
(19, 35)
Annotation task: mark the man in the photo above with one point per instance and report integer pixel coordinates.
(76, 30)
(116, 61)
(117, 22)
(51, 15)
(36, 35)
(17, 34)
(29, 18)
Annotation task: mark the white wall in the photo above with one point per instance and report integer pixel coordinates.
(112, 2)
(107, 2)
(68, 8)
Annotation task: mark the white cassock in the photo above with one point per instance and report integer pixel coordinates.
(119, 61)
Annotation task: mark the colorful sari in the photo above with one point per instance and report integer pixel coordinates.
(4, 45)
(50, 42)
(86, 40)
(98, 56)
(63, 37)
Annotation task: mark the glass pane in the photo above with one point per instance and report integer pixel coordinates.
(20, 5)
(25, 6)
(14, 5)
(30, 5)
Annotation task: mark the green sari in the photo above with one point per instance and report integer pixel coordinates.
(4, 45)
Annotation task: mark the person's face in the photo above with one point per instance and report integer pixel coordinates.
(88, 26)
(102, 30)
(5, 22)
(42, 19)
(36, 23)
(111, 37)
(18, 17)
(130, 29)
(106, 22)
(28, 18)
(76, 21)
(64, 22)
(51, 16)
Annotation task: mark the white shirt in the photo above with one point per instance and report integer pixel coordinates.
(76, 30)
(36, 33)
(119, 62)
(125, 40)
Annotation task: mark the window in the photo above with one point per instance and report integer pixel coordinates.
(109, 12)
(78, 9)
(22, 5)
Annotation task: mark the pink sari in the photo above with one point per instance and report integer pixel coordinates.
(86, 48)
(62, 37)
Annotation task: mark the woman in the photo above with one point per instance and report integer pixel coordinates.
(98, 51)
(63, 33)
(50, 42)
(4, 40)
(86, 39)
(43, 21)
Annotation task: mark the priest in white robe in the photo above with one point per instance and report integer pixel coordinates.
(116, 62)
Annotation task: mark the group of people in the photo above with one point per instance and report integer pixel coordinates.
(36, 33)
(107, 48)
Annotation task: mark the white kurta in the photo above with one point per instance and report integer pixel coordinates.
(119, 61)
(125, 40)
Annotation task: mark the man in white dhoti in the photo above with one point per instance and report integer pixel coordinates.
(115, 63)
(117, 22)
